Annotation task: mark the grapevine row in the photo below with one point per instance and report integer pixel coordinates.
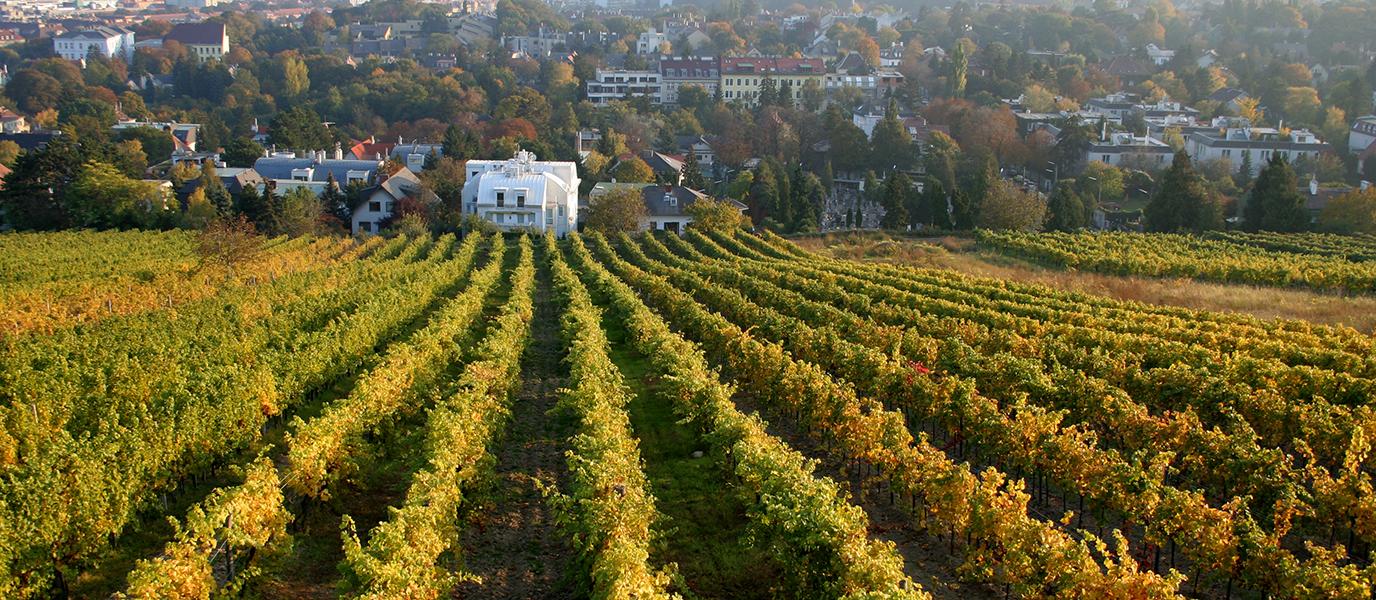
(317, 450)
(401, 556)
(1005, 545)
(609, 509)
(177, 392)
(1180, 255)
(812, 532)
(1033, 439)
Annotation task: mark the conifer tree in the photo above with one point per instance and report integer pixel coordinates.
(1275, 203)
(1183, 202)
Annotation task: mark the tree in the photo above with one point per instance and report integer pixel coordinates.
(897, 188)
(460, 143)
(710, 214)
(299, 214)
(242, 152)
(633, 170)
(215, 191)
(1065, 209)
(621, 209)
(1353, 212)
(931, 205)
(295, 75)
(9, 152)
(769, 95)
(1275, 203)
(156, 143)
(1182, 203)
(199, 211)
(849, 147)
(764, 194)
(103, 197)
(249, 203)
(228, 242)
(809, 196)
(1071, 145)
(891, 146)
(960, 65)
(1006, 206)
(34, 90)
(334, 203)
(692, 173)
(299, 129)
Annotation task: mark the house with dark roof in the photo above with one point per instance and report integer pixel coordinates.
(206, 40)
(1229, 97)
(33, 140)
(235, 179)
(286, 170)
(379, 202)
(666, 206)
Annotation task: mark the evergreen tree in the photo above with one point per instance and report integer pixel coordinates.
(976, 173)
(891, 146)
(1183, 202)
(215, 191)
(931, 204)
(809, 197)
(963, 210)
(828, 179)
(1243, 177)
(785, 96)
(460, 143)
(249, 203)
(274, 212)
(764, 194)
(692, 173)
(769, 91)
(850, 218)
(1065, 209)
(960, 65)
(334, 202)
(897, 188)
(1275, 203)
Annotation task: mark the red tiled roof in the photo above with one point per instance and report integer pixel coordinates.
(737, 65)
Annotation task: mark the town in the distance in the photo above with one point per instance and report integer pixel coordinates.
(311, 117)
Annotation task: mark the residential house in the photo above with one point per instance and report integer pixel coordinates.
(1359, 138)
(743, 76)
(699, 147)
(651, 42)
(1114, 107)
(32, 140)
(666, 167)
(541, 45)
(1159, 56)
(678, 71)
(1119, 148)
(235, 179)
(107, 41)
(184, 135)
(378, 203)
(666, 206)
(622, 84)
(1229, 98)
(1235, 144)
(586, 141)
(415, 154)
(12, 122)
(1131, 71)
(206, 41)
(287, 171)
(523, 193)
(369, 149)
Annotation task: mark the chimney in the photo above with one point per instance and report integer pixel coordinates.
(338, 152)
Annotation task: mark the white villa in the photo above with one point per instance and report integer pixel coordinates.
(523, 193)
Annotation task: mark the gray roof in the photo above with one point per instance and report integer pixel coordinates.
(271, 167)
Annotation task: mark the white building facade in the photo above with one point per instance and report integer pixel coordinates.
(110, 42)
(522, 193)
(1259, 144)
(620, 84)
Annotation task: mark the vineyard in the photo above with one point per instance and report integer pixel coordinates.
(706, 416)
(1327, 262)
